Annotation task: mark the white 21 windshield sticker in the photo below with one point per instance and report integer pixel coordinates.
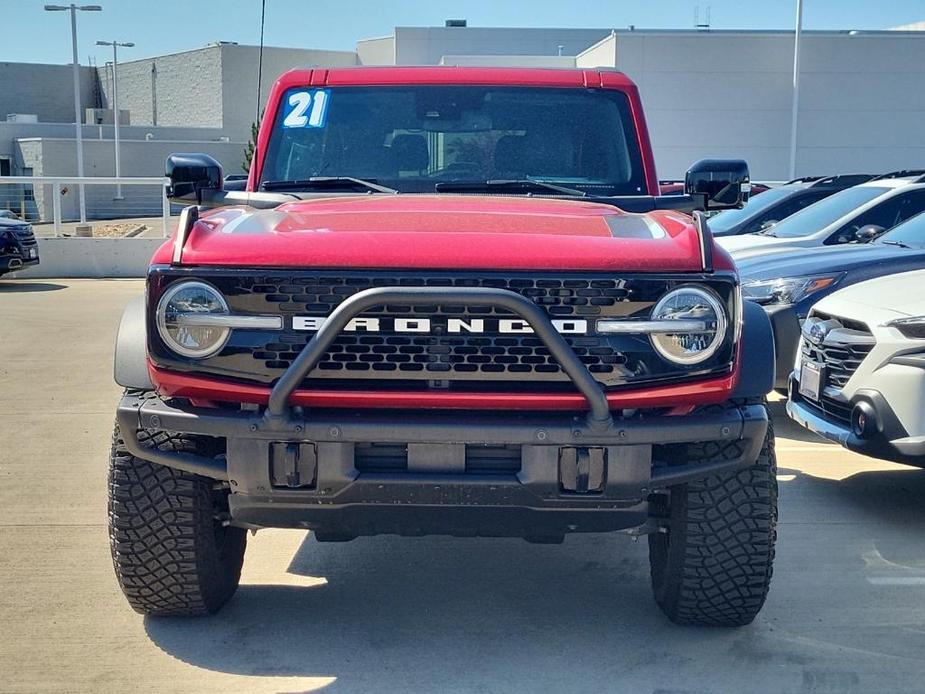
(306, 109)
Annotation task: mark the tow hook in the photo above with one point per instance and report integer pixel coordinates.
(581, 469)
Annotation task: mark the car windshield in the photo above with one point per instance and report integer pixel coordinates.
(724, 221)
(909, 233)
(828, 210)
(411, 138)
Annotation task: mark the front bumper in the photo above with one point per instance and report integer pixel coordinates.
(308, 471)
(325, 469)
(890, 442)
(15, 261)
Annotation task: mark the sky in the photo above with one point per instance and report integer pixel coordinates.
(166, 26)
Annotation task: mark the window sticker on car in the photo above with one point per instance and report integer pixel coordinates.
(306, 109)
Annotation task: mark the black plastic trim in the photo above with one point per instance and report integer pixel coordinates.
(249, 433)
(785, 325)
(757, 355)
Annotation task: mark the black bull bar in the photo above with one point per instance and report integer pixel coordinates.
(251, 435)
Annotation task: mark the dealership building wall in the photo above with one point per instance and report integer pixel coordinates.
(729, 94)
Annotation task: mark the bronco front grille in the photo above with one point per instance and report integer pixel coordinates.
(438, 359)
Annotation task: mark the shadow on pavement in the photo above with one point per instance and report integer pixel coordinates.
(443, 614)
(13, 287)
(786, 428)
(894, 496)
(410, 614)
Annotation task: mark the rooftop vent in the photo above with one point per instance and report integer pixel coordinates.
(461, 23)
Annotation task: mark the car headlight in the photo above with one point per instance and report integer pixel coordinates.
(913, 327)
(787, 290)
(704, 325)
(183, 323)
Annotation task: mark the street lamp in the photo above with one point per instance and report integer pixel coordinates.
(795, 102)
(77, 119)
(115, 104)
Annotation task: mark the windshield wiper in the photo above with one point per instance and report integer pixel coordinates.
(890, 242)
(328, 183)
(514, 185)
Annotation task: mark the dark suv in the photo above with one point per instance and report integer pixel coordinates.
(18, 247)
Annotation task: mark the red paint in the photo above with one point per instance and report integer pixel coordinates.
(706, 392)
(515, 77)
(437, 232)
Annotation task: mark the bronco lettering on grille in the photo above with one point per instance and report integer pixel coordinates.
(504, 326)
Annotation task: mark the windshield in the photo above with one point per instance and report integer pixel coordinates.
(412, 137)
(909, 233)
(724, 221)
(828, 210)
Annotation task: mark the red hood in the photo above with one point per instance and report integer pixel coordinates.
(443, 232)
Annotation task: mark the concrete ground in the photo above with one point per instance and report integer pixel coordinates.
(846, 611)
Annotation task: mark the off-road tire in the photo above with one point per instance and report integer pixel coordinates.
(713, 566)
(171, 552)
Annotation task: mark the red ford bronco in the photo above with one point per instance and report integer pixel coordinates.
(449, 300)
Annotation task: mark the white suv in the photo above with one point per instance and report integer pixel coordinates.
(860, 373)
(858, 213)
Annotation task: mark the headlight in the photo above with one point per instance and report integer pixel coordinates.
(704, 325)
(183, 319)
(913, 327)
(786, 290)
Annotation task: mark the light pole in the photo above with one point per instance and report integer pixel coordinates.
(77, 119)
(115, 104)
(795, 105)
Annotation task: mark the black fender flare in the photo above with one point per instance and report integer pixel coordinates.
(757, 355)
(130, 366)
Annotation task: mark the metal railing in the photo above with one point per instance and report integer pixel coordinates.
(55, 200)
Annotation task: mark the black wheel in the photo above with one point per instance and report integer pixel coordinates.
(711, 563)
(172, 549)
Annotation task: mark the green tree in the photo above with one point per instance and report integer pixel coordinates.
(251, 146)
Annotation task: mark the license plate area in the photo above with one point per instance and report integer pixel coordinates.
(811, 379)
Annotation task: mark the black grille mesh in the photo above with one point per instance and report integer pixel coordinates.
(442, 355)
(487, 360)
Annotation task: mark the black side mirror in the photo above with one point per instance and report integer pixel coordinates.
(190, 174)
(868, 232)
(718, 184)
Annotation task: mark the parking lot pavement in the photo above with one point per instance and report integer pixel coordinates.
(846, 611)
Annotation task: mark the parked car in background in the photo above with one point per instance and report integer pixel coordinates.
(787, 282)
(856, 214)
(18, 247)
(779, 203)
(861, 377)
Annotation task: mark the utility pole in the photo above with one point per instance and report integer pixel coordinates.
(77, 118)
(796, 91)
(115, 104)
